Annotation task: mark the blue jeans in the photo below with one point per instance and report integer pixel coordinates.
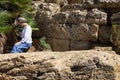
(22, 47)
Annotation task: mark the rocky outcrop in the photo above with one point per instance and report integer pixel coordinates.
(77, 22)
(73, 65)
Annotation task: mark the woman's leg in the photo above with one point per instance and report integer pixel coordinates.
(20, 47)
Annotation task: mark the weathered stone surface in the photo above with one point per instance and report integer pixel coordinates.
(96, 16)
(104, 34)
(110, 4)
(84, 32)
(53, 8)
(35, 4)
(73, 65)
(80, 20)
(70, 17)
(73, 32)
(77, 17)
(60, 31)
(62, 17)
(59, 44)
(60, 2)
(115, 19)
(72, 7)
(80, 45)
(45, 13)
(75, 1)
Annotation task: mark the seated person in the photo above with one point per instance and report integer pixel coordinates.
(26, 35)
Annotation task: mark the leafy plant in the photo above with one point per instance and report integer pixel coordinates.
(31, 19)
(44, 44)
(10, 9)
(4, 22)
(15, 5)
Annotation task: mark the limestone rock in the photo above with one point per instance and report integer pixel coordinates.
(59, 44)
(85, 32)
(77, 16)
(104, 34)
(110, 4)
(35, 4)
(70, 17)
(115, 18)
(72, 65)
(72, 7)
(45, 13)
(80, 45)
(75, 1)
(60, 2)
(96, 16)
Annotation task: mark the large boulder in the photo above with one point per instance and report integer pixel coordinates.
(72, 65)
(45, 13)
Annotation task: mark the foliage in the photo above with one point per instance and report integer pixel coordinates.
(4, 21)
(15, 8)
(44, 44)
(31, 19)
(15, 5)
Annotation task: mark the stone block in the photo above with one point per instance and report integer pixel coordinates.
(60, 45)
(80, 45)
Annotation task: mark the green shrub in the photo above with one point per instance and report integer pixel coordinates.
(44, 44)
(4, 22)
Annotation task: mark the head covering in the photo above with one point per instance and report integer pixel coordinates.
(21, 19)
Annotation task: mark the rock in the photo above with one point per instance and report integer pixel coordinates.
(77, 17)
(96, 16)
(35, 4)
(59, 44)
(77, 21)
(60, 2)
(104, 34)
(45, 13)
(80, 45)
(84, 32)
(71, 65)
(70, 17)
(3, 39)
(72, 7)
(62, 17)
(115, 18)
(109, 4)
(75, 1)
